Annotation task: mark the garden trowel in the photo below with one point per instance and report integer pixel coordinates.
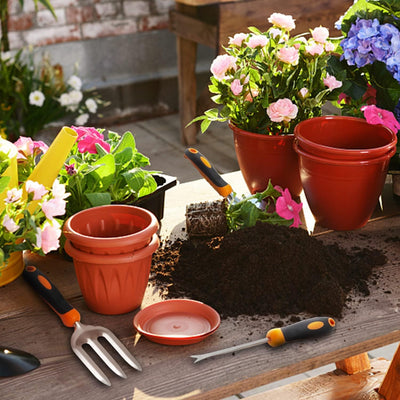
(16, 362)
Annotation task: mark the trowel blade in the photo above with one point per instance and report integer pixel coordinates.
(16, 362)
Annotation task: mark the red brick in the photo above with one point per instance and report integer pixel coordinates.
(45, 18)
(154, 23)
(46, 36)
(79, 15)
(20, 22)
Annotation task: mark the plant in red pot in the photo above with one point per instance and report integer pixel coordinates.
(265, 84)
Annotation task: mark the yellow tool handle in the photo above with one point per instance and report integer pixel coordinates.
(300, 330)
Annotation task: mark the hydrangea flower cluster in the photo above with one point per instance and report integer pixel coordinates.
(269, 81)
(368, 41)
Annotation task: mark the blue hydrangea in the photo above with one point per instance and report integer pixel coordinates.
(369, 41)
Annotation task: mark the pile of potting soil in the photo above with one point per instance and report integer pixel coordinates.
(262, 270)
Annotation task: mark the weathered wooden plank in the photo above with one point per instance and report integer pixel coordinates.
(355, 364)
(390, 387)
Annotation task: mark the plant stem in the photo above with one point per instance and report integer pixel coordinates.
(4, 43)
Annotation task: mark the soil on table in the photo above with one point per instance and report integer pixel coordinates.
(262, 270)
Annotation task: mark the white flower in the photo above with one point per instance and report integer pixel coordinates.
(5, 55)
(65, 99)
(75, 96)
(82, 119)
(59, 190)
(75, 82)
(36, 98)
(13, 195)
(91, 105)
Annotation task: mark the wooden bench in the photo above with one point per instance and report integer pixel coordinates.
(211, 22)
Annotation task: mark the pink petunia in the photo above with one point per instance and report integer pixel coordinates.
(87, 139)
(236, 87)
(289, 55)
(282, 21)
(53, 208)
(36, 188)
(222, 64)
(287, 208)
(320, 34)
(282, 110)
(257, 41)
(13, 195)
(378, 116)
(331, 82)
(58, 190)
(47, 237)
(10, 224)
(27, 147)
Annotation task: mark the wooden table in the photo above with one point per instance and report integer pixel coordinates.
(168, 372)
(211, 22)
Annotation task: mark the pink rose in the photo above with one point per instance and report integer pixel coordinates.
(47, 237)
(253, 93)
(303, 92)
(238, 39)
(257, 41)
(236, 87)
(87, 139)
(331, 82)
(315, 49)
(378, 116)
(53, 207)
(282, 21)
(222, 64)
(289, 55)
(320, 34)
(36, 188)
(329, 46)
(282, 110)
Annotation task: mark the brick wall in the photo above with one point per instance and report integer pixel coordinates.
(83, 20)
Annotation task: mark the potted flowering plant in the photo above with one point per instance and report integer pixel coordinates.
(100, 171)
(266, 83)
(368, 64)
(29, 212)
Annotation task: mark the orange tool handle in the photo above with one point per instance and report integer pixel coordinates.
(208, 172)
(51, 295)
(300, 330)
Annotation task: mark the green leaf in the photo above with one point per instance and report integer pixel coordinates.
(135, 179)
(126, 141)
(105, 172)
(149, 186)
(98, 199)
(204, 125)
(124, 156)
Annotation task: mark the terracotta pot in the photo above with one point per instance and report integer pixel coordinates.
(12, 269)
(113, 284)
(111, 229)
(342, 194)
(345, 138)
(263, 157)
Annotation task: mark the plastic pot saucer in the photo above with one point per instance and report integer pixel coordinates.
(177, 322)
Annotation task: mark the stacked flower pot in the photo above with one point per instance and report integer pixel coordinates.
(112, 247)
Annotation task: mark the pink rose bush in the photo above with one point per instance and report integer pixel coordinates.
(267, 82)
(30, 214)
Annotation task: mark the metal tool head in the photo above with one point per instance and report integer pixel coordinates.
(90, 334)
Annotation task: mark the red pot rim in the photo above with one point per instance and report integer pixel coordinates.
(115, 241)
(83, 256)
(332, 161)
(240, 131)
(344, 152)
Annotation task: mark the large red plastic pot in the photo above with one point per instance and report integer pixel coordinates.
(111, 229)
(116, 283)
(342, 194)
(263, 157)
(345, 138)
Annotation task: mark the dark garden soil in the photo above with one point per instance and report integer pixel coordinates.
(264, 270)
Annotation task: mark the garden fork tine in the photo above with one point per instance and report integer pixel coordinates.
(83, 334)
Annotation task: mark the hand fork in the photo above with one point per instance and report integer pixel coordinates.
(83, 334)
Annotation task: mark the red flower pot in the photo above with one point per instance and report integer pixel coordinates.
(115, 283)
(111, 229)
(342, 194)
(345, 138)
(263, 157)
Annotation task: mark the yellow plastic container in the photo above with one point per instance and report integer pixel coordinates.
(12, 269)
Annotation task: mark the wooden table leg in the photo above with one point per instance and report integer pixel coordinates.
(355, 364)
(187, 51)
(390, 388)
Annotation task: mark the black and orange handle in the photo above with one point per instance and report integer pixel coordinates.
(300, 330)
(51, 295)
(208, 172)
